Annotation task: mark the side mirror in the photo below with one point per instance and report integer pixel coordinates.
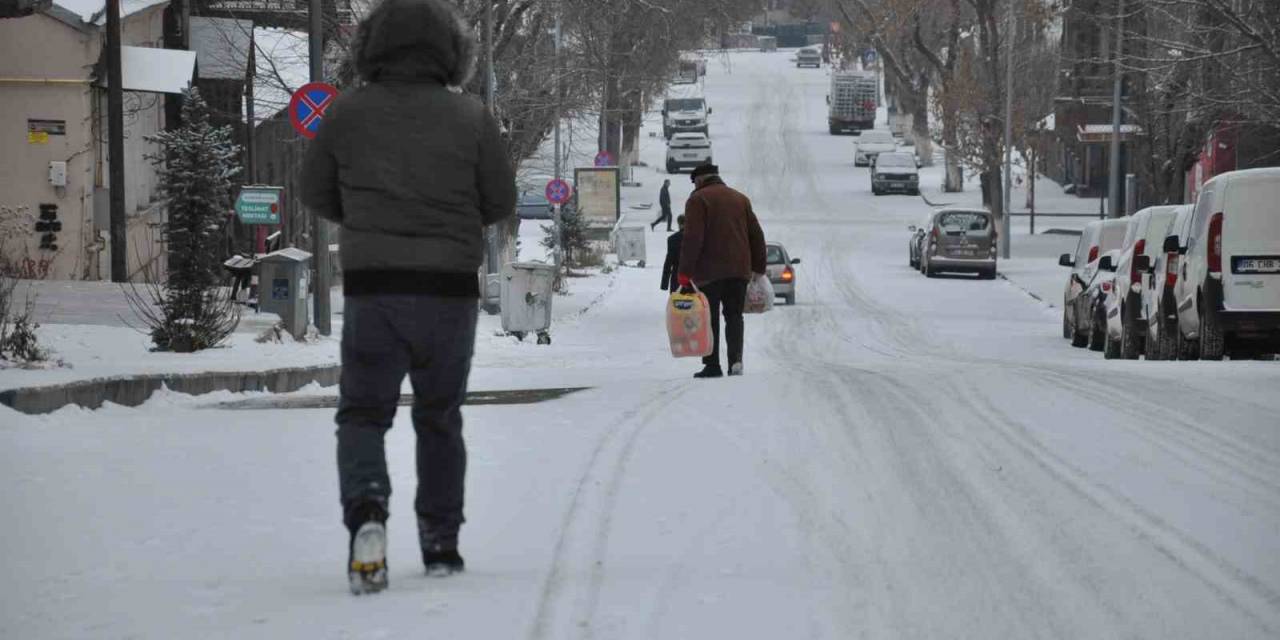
(795, 261)
(1172, 245)
(709, 110)
(1106, 264)
(1142, 263)
(1066, 260)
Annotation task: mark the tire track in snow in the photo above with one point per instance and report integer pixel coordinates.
(1229, 582)
(554, 590)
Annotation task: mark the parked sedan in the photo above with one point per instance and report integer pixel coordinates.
(960, 240)
(871, 144)
(780, 268)
(533, 206)
(809, 58)
(896, 171)
(1097, 238)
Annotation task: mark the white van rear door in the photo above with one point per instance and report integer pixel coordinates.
(1251, 245)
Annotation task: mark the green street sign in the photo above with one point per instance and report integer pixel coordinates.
(259, 205)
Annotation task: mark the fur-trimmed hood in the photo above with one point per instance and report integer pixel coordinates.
(414, 40)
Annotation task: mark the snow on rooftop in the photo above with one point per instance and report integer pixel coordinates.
(95, 11)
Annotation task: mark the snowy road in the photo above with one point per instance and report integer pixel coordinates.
(906, 458)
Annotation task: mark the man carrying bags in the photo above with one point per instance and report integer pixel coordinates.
(723, 246)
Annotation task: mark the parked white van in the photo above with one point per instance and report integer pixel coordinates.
(1158, 305)
(1126, 317)
(1228, 289)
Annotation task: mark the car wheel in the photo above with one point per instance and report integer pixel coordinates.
(988, 274)
(1111, 350)
(1130, 341)
(1211, 339)
(928, 271)
(1166, 340)
(1098, 333)
(1066, 327)
(1187, 349)
(791, 300)
(915, 192)
(671, 168)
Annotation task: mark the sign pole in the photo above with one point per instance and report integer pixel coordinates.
(558, 251)
(320, 226)
(115, 146)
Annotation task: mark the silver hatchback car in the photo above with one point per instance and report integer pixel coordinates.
(960, 240)
(780, 268)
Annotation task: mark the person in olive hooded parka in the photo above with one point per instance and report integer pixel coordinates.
(412, 171)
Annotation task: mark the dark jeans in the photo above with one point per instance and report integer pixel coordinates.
(726, 297)
(385, 337)
(664, 216)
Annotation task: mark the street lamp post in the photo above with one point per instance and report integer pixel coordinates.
(1005, 218)
(1113, 199)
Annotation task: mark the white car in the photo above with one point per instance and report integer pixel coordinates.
(1228, 289)
(687, 150)
(1126, 316)
(1079, 300)
(1158, 306)
(871, 144)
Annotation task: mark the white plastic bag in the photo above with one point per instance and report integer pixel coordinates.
(759, 295)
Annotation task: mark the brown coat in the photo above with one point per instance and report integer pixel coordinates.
(722, 237)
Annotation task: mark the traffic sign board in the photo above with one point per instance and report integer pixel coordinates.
(307, 107)
(559, 191)
(604, 159)
(259, 205)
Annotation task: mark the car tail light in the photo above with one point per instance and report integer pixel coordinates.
(1215, 243)
(1171, 269)
(1106, 287)
(788, 275)
(1093, 253)
(1139, 248)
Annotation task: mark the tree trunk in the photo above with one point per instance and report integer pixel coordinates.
(920, 131)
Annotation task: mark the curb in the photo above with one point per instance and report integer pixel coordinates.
(131, 391)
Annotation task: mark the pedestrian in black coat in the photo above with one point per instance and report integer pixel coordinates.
(671, 267)
(664, 201)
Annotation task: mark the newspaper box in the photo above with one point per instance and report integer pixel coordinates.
(526, 299)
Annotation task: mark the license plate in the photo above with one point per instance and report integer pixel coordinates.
(1262, 264)
(689, 156)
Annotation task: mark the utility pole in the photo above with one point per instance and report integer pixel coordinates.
(319, 226)
(1113, 201)
(1005, 219)
(558, 251)
(115, 146)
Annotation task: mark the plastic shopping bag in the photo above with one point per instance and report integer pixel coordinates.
(759, 295)
(689, 325)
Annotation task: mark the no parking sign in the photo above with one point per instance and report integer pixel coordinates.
(307, 107)
(559, 191)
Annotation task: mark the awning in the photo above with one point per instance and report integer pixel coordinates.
(1101, 133)
(156, 70)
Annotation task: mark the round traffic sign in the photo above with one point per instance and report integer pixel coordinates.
(307, 107)
(558, 191)
(604, 159)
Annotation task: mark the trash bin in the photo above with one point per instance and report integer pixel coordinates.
(526, 299)
(282, 288)
(628, 243)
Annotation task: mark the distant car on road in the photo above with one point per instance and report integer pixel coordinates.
(779, 265)
(809, 58)
(687, 150)
(960, 240)
(871, 144)
(1097, 238)
(896, 171)
(533, 206)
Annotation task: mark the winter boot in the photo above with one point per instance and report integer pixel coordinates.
(439, 550)
(735, 369)
(367, 553)
(709, 372)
